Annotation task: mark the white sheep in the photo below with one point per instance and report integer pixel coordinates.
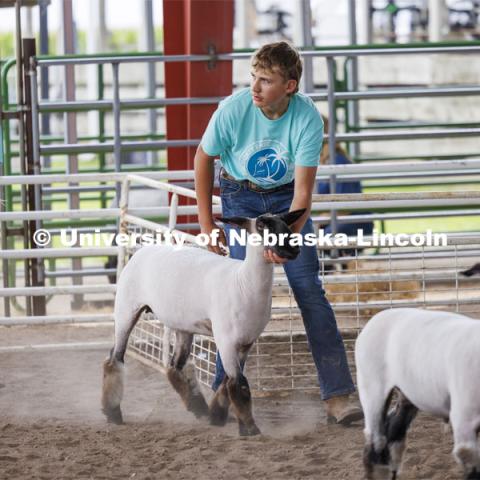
(193, 291)
(432, 360)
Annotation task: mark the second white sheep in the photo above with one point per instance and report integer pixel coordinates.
(432, 360)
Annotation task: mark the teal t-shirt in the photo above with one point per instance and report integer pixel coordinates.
(256, 148)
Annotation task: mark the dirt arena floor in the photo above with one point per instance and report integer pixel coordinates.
(51, 426)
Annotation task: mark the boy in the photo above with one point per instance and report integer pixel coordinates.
(266, 136)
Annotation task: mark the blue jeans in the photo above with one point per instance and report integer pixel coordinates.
(324, 339)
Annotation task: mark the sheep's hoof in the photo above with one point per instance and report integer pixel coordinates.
(249, 431)
(198, 406)
(218, 416)
(114, 415)
(474, 474)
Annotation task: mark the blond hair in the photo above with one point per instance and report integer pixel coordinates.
(281, 56)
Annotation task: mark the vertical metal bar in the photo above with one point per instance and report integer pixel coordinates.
(3, 232)
(122, 228)
(307, 42)
(117, 141)
(352, 85)
(70, 122)
(101, 129)
(44, 80)
(21, 140)
(35, 135)
(149, 42)
(242, 23)
(332, 126)
(172, 219)
(33, 164)
(435, 19)
(28, 22)
(365, 17)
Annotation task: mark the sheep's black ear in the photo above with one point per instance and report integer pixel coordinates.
(291, 217)
(475, 270)
(241, 222)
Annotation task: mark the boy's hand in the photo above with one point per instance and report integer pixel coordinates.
(272, 257)
(217, 243)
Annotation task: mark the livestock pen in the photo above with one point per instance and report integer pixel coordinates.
(280, 366)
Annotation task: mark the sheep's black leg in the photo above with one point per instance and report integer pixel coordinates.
(219, 405)
(112, 391)
(183, 381)
(376, 455)
(241, 398)
(396, 426)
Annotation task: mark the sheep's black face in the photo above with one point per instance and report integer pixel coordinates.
(278, 235)
(277, 227)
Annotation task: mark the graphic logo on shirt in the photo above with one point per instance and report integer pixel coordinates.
(266, 162)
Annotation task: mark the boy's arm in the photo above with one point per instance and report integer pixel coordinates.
(204, 173)
(302, 198)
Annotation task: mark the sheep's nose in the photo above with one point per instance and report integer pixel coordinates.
(291, 253)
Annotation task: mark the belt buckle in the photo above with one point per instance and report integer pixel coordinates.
(226, 176)
(256, 188)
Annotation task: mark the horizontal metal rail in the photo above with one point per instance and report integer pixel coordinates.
(323, 219)
(392, 254)
(184, 192)
(394, 200)
(48, 346)
(344, 201)
(20, 254)
(377, 168)
(141, 222)
(408, 135)
(107, 147)
(50, 62)
(372, 94)
(57, 290)
(382, 305)
(126, 104)
(354, 197)
(358, 52)
(46, 62)
(93, 177)
(341, 137)
(85, 272)
(104, 213)
(366, 217)
(375, 94)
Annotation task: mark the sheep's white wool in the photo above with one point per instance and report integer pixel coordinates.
(200, 292)
(433, 359)
(428, 355)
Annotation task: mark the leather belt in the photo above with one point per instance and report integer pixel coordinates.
(253, 186)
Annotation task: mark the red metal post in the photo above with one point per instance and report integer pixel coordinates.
(195, 27)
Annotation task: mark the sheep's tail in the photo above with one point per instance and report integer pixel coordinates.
(112, 392)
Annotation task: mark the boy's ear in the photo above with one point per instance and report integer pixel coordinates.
(242, 222)
(291, 217)
(291, 85)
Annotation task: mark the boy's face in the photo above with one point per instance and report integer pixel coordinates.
(269, 88)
